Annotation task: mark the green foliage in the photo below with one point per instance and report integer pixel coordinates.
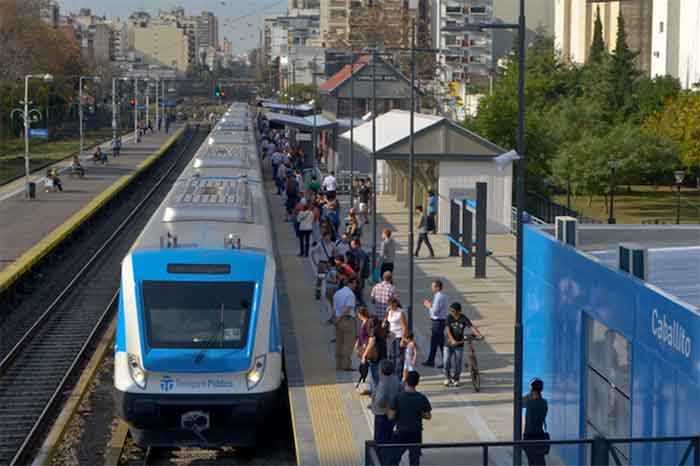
(621, 72)
(579, 120)
(598, 50)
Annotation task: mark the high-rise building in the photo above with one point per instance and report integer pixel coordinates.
(49, 13)
(466, 59)
(335, 20)
(304, 4)
(207, 31)
(163, 44)
(574, 22)
(676, 41)
(227, 47)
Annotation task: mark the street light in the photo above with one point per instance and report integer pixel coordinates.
(520, 206)
(80, 105)
(47, 78)
(114, 106)
(613, 169)
(136, 110)
(679, 175)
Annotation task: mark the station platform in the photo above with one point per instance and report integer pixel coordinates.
(330, 419)
(32, 227)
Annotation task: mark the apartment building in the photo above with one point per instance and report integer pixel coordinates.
(466, 57)
(164, 44)
(675, 41)
(335, 20)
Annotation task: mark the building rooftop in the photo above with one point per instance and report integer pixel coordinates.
(676, 270)
(392, 127)
(344, 74)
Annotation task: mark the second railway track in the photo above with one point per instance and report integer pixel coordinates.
(44, 359)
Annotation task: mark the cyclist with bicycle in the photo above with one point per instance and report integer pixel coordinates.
(453, 352)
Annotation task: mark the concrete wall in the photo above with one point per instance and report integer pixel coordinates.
(465, 175)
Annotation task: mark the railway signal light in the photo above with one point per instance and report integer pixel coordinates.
(217, 92)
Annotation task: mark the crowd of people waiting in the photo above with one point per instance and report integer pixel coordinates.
(376, 330)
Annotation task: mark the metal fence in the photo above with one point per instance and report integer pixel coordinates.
(547, 210)
(598, 451)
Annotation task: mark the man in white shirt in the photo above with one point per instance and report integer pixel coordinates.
(330, 185)
(344, 307)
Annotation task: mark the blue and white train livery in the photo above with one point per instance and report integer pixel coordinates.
(198, 352)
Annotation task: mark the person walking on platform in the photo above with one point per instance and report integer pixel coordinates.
(381, 294)
(437, 309)
(423, 232)
(387, 389)
(387, 252)
(344, 306)
(432, 211)
(535, 423)
(454, 346)
(398, 327)
(408, 409)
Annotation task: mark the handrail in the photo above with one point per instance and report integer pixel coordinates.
(461, 246)
(601, 447)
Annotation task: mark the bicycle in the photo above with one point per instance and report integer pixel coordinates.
(472, 364)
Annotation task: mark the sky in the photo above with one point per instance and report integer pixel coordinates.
(239, 20)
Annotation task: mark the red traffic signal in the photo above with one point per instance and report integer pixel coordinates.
(132, 102)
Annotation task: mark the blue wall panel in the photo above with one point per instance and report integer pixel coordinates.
(562, 288)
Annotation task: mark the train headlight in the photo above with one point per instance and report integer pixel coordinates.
(138, 374)
(255, 375)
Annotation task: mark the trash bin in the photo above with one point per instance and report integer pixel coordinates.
(31, 190)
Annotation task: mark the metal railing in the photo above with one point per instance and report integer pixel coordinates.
(542, 208)
(598, 451)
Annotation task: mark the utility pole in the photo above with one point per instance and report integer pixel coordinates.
(374, 159)
(411, 194)
(136, 110)
(352, 129)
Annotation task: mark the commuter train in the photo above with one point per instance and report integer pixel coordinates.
(198, 351)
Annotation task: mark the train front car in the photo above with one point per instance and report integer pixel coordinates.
(198, 355)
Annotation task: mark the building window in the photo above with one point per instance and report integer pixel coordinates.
(608, 385)
(478, 10)
(661, 27)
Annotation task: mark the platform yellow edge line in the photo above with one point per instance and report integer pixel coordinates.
(26, 261)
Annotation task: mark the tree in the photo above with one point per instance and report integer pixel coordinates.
(679, 122)
(650, 95)
(622, 72)
(598, 50)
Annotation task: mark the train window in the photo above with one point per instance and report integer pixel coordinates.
(608, 385)
(197, 314)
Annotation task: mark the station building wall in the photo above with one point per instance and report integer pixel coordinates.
(569, 298)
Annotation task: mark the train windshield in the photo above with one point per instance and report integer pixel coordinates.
(197, 314)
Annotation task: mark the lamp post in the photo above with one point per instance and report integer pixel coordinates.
(679, 175)
(374, 160)
(613, 170)
(352, 129)
(80, 105)
(47, 79)
(148, 95)
(155, 126)
(136, 110)
(411, 170)
(520, 207)
(114, 106)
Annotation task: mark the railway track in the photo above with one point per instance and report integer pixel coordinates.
(45, 361)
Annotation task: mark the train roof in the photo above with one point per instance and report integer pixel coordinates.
(218, 196)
